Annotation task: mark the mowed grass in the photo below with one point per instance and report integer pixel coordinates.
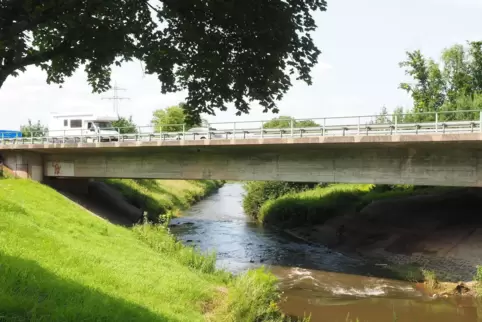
(315, 206)
(159, 197)
(61, 263)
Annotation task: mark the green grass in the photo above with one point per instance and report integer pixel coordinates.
(317, 205)
(160, 197)
(61, 263)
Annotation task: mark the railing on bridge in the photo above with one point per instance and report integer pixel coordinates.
(463, 121)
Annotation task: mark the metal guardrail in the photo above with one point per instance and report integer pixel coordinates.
(466, 121)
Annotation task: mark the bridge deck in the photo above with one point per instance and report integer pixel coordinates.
(332, 141)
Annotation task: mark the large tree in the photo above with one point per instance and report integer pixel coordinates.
(428, 89)
(173, 119)
(219, 51)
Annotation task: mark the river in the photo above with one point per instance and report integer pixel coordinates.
(331, 286)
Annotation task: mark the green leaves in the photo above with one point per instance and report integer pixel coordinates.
(125, 125)
(221, 52)
(33, 129)
(174, 119)
(285, 122)
(453, 84)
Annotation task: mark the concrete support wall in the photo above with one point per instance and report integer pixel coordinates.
(445, 165)
(24, 164)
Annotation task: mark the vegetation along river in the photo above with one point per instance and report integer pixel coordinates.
(314, 279)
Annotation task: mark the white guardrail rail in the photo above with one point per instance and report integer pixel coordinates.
(467, 121)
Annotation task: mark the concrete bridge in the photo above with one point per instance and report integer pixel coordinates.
(445, 154)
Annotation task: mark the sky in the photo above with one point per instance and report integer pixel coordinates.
(362, 43)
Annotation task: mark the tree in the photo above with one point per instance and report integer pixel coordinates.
(428, 90)
(125, 125)
(172, 119)
(475, 61)
(456, 74)
(33, 130)
(219, 51)
(453, 85)
(285, 122)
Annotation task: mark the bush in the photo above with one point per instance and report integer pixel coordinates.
(315, 206)
(311, 207)
(260, 305)
(258, 192)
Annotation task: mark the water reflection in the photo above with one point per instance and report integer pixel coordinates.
(314, 279)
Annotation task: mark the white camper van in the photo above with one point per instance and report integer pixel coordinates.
(85, 127)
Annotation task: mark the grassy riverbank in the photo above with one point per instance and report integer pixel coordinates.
(60, 262)
(163, 197)
(315, 206)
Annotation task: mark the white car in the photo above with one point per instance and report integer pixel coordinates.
(203, 133)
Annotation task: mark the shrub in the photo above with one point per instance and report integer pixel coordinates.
(315, 206)
(260, 305)
(312, 206)
(258, 192)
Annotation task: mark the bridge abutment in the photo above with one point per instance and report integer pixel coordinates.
(24, 164)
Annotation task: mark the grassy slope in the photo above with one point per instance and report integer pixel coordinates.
(60, 263)
(317, 205)
(162, 196)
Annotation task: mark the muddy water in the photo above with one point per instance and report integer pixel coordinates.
(315, 280)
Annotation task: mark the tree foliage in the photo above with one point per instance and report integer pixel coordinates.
(219, 51)
(33, 129)
(258, 192)
(453, 84)
(285, 122)
(125, 125)
(172, 119)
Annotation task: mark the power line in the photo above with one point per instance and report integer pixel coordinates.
(116, 98)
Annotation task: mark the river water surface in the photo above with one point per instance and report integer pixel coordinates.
(315, 280)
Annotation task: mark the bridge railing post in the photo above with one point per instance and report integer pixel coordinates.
(436, 122)
(323, 128)
(359, 120)
(262, 129)
(183, 131)
(292, 124)
(480, 121)
(234, 130)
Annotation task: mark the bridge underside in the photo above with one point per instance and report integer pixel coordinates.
(419, 164)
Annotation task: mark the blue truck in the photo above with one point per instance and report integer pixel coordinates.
(7, 134)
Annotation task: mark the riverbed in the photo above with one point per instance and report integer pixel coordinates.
(315, 280)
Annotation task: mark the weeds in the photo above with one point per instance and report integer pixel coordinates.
(430, 279)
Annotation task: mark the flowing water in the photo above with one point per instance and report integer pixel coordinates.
(316, 280)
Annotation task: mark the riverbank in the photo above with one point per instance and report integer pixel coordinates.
(405, 230)
(58, 263)
(165, 198)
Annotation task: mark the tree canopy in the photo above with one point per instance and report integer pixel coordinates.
(285, 122)
(172, 119)
(125, 125)
(219, 51)
(33, 129)
(453, 83)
